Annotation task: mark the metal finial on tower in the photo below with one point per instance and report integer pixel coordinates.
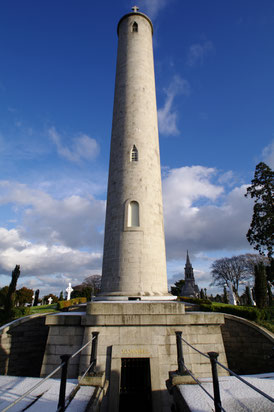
(135, 9)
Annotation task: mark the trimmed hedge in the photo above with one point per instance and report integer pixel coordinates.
(247, 312)
(194, 300)
(64, 304)
(16, 312)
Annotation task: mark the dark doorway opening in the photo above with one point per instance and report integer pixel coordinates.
(135, 387)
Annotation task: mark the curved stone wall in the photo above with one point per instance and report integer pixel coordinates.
(22, 346)
(248, 346)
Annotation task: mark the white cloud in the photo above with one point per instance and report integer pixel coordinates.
(167, 116)
(40, 259)
(152, 7)
(268, 155)
(74, 221)
(48, 268)
(59, 239)
(200, 216)
(83, 147)
(197, 53)
(11, 238)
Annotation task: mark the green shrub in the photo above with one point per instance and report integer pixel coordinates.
(193, 300)
(15, 313)
(247, 312)
(20, 311)
(63, 304)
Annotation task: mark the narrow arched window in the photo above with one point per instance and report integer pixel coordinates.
(134, 154)
(135, 27)
(133, 214)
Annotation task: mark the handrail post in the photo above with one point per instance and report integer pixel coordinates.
(180, 358)
(93, 356)
(62, 392)
(217, 399)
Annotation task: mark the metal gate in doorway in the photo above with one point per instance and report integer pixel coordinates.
(135, 386)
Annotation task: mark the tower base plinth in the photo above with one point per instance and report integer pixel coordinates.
(117, 298)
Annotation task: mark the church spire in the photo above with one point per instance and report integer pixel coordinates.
(187, 259)
(189, 288)
(188, 268)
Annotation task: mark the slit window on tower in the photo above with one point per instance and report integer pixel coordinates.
(133, 214)
(134, 154)
(135, 27)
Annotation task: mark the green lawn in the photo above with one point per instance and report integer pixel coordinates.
(43, 309)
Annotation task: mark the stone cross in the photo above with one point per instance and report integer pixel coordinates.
(135, 9)
(32, 302)
(50, 300)
(69, 290)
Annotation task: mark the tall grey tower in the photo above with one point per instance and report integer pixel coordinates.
(134, 261)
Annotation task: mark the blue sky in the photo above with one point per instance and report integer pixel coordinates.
(214, 66)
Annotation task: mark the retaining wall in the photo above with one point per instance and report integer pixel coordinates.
(248, 346)
(22, 346)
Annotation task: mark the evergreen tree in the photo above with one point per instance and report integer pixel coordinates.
(248, 296)
(3, 295)
(36, 297)
(176, 289)
(261, 231)
(82, 292)
(260, 286)
(270, 295)
(61, 296)
(225, 297)
(10, 299)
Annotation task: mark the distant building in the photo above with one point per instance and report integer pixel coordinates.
(189, 288)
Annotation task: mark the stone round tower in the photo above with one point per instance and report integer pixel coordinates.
(134, 261)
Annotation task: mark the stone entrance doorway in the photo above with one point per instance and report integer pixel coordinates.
(135, 387)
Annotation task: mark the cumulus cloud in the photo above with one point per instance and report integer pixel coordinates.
(152, 7)
(40, 259)
(48, 268)
(56, 238)
(200, 215)
(60, 240)
(11, 239)
(74, 221)
(167, 115)
(268, 155)
(83, 147)
(197, 53)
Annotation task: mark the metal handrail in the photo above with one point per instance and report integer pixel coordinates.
(197, 350)
(33, 388)
(74, 390)
(68, 399)
(232, 373)
(46, 378)
(213, 359)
